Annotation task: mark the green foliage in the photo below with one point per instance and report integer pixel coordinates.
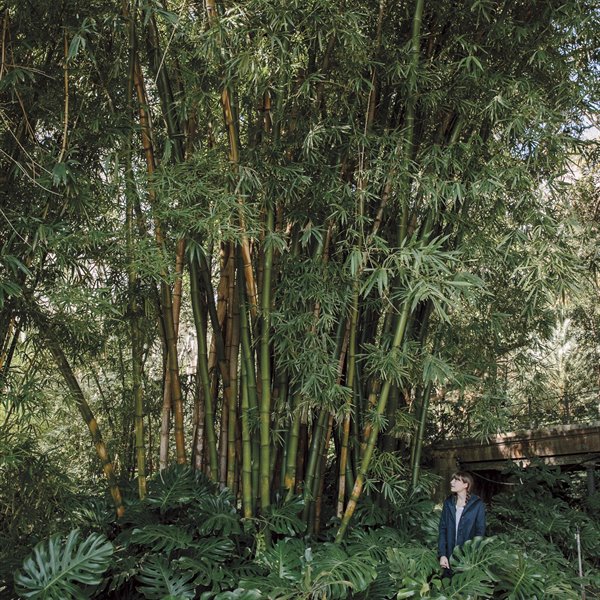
(284, 518)
(159, 581)
(65, 568)
(175, 487)
(529, 554)
(217, 515)
(431, 174)
(161, 538)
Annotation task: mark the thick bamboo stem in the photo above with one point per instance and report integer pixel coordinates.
(313, 457)
(247, 495)
(233, 385)
(289, 481)
(265, 368)
(88, 416)
(350, 375)
(166, 296)
(135, 333)
(200, 323)
(247, 372)
(370, 447)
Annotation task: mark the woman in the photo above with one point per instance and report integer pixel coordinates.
(463, 518)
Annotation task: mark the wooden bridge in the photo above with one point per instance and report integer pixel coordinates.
(569, 446)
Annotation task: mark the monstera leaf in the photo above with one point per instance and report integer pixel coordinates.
(383, 588)
(280, 569)
(62, 568)
(521, 578)
(285, 519)
(239, 594)
(412, 562)
(478, 554)
(217, 515)
(335, 573)
(469, 585)
(376, 541)
(162, 538)
(284, 559)
(177, 486)
(160, 581)
(207, 563)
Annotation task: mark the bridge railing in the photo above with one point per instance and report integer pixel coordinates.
(452, 418)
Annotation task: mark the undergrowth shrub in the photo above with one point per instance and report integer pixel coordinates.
(186, 540)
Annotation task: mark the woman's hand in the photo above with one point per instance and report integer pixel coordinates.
(444, 562)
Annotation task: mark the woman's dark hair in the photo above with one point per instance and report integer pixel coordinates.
(467, 478)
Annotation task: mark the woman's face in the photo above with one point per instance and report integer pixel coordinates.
(458, 485)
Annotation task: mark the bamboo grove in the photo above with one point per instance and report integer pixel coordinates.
(284, 211)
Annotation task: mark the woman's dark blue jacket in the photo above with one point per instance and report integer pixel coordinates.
(471, 524)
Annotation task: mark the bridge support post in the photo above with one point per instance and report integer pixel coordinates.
(591, 479)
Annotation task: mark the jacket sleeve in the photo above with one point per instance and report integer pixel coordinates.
(442, 549)
(480, 520)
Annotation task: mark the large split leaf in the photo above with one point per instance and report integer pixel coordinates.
(61, 568)
(285, 519)
(177, 486)
(159, 581)
(162, 538)
(217, 515)
(336, 573)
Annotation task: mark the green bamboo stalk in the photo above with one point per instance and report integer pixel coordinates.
(213, 313)
(165, 295)
(265, 367)
(278, 457)
(227, 399)
(315, 515)
(233, 386)
(418, 446)
(247, 494)
(248, 363)
(313, 457)
(350, 373)
(200, 323)
(420, 433)
(410, 115)
(248, 452)
(370, 446)
(136, 349)
(84, 408)
(165, 90)
(289, 480)
(136, 344)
